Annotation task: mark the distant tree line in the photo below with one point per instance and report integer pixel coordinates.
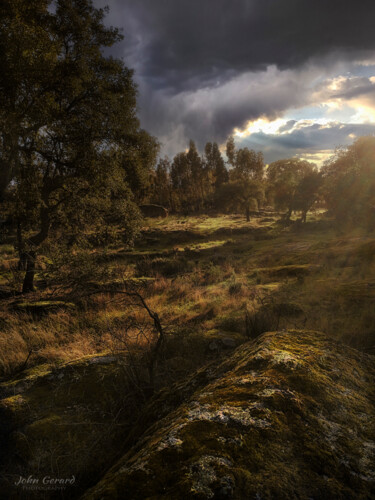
(193, 183)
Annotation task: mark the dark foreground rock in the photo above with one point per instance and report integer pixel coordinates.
(61, 423)
(288, 416)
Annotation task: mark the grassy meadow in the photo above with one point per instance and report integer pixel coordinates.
(213, 281)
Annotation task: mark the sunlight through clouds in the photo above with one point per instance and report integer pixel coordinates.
(250, 78)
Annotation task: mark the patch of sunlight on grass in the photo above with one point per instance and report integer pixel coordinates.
(205, 245)
(201, 224)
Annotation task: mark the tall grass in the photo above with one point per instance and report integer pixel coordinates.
(209, 292)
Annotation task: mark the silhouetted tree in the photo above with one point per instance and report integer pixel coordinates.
(289, 181)
(307, 193)
(349, 183)
(72, 151)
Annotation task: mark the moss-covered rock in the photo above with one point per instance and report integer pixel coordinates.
(290, 415)
(62, 422)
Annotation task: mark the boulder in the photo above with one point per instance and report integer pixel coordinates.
(153, 211)
(289, 415)
(61, 422)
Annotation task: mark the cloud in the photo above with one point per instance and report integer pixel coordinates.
(346, 88)
(181, 45)
(212, 113)
(288, 125)
(205, 68)
(316, 139)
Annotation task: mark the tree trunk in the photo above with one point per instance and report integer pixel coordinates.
(29, 255)
(28, 282)
(20, 248)
(5, 178)
(247, 213)
(8, 166)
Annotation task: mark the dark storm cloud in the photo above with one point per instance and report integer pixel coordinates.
(211, 113)
(313, 138)
(181, 44)
(355, 87)
(203, 66)
(289, 124)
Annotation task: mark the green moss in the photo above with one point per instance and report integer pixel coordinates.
(271, 421)
(67, 420)
(26, 377)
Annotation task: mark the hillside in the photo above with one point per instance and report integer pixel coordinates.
(187, 250)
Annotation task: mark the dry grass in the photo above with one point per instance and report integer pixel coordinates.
(206, 289)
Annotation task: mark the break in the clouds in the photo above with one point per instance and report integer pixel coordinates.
(288, 76)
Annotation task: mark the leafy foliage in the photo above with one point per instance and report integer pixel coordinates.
(71, 142)
(293, 185)
(349, 187)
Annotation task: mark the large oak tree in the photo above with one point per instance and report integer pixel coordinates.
(71, 148)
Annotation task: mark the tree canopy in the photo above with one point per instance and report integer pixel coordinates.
(349, 182)
(71, 145)
(293, 185)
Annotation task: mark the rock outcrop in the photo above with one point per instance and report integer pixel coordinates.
(288, 416)
(153, 211)
(61, 423)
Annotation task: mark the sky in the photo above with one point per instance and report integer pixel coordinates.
(285, 77)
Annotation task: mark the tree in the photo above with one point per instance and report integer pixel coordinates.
(236, 195)
(293, 185)
(27, 55)
(248, 165)
(215, 165)
(307, 193)
(197, 174)
(231, 151)
(188, 178)
(245, 177)
(76, 152)
(181, 180)
(349, 183)
(161, 189)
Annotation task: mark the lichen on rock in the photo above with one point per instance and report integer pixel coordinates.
(61, 421)
(289, 415)
(274, 420)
